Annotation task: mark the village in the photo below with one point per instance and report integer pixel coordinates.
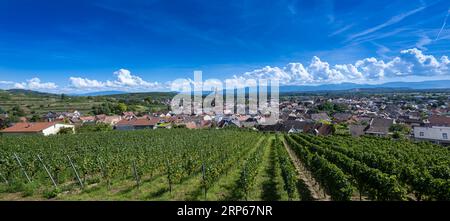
(415, 116)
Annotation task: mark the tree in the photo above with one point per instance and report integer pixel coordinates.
(121, 107)
(18, 111)
(66, 130)
(401, 128)
(148, 100)
(88, 128)
(35, 118)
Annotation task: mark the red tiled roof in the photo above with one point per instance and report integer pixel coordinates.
(28, 127)
(439, 120)
(191, 125)
(87, 118)
(139, 122)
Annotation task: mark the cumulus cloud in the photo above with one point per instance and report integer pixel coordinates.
(410, 62)
(78, 82)
(35, 84)
(6, 82)
(124, 81)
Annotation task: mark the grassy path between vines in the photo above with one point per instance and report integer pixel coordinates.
(268, 183)
(307, 186)
(223, 189)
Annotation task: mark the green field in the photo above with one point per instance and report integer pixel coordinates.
(37, 103)
(228, 164)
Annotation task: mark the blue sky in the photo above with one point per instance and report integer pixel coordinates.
(72, 46)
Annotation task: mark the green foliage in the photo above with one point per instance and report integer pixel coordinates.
(89, 128)
(250, 170)
(288, 171)
(66, 130)
(35, 118)
(401, 128)
(108, 157)
(421, 169)
(51, 193)
(331, 108)
(121, 107)
(329, 175)
(18, 111)
(109, 108)
(380, 186)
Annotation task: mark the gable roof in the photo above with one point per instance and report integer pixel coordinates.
(342, 116)
(139, 122)
(380, 125)
(437, 120)
(357, 130)
(320, 116)
(28, 127)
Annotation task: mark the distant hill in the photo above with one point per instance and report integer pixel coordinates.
(101, 93)
(391, 86)
(30, 93)
(441, 84)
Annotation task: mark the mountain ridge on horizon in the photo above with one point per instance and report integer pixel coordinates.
(433, 84)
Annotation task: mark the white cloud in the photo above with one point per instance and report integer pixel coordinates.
(125, 81)
(35, 84)
(6, 82)
(411, 62)
(322, 72)
(78, 82)
(391, 21)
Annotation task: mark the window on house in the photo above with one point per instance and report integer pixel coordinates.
(421, 134)
(444, 135)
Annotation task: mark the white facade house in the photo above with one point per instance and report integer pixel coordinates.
(436, 134)
(56, 128)
(43, 128)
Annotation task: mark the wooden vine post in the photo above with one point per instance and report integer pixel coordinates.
(204, 178)
(136, 175)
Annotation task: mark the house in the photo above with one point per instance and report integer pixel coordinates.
(295, 126)
(379, 126)
(249, 123)
(271, 127)
(50, 116)
(435, 134)
(228, 121)
(128, 115)
(137, 123)
(206, 124)
(111, 120)
(191, 125)
(437, 120)
(320, 117)
(357, 130)
(43, 128)
(342, 117)
(87, 120)
(318, 129)
(361, 120)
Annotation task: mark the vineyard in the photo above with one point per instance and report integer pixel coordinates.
(375, 168)
(230, 164)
